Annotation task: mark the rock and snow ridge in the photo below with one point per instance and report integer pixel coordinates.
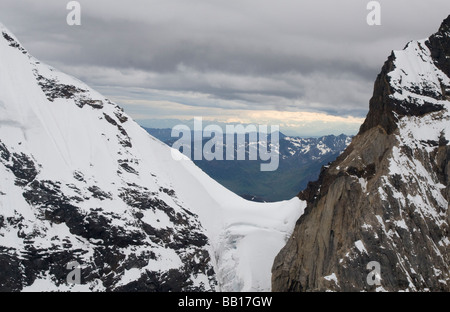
(386, 198)
(80, 181)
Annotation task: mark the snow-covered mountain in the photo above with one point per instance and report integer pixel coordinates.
(314, 148)
(300, 161)
(385, 200)
(81, 181)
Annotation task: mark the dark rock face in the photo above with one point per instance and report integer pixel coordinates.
(384, 110)
(380, 106)
(123, 137)
(108, 256)
(385, 199)
(13, 43)
(440, 46)
(55, 90)
(20, 164)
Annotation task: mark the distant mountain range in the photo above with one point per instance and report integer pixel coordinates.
(300, 162)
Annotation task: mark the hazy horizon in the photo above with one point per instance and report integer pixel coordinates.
(308, 66)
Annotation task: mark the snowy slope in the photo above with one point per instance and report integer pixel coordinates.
(81, 181)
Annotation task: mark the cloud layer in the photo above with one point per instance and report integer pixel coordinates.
(234, 58)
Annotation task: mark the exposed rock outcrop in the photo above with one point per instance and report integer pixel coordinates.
(385, 199)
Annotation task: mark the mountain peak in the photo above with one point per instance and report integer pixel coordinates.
(445, 27)
(385, 200)
(413, 82)
(5, 34)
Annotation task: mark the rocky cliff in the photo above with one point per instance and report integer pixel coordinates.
(385, 199)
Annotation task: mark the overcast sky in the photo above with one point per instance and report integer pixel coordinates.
(306, 65)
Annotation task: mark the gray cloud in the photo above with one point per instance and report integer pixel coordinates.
(288, 55)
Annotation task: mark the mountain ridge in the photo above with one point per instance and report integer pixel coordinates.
(385, 198)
